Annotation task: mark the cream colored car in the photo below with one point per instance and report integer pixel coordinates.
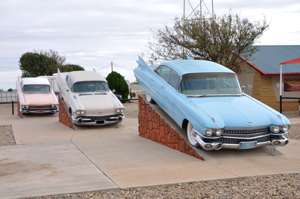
(88, 98)
(36, 96)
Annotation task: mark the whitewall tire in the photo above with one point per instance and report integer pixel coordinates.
(191, 135)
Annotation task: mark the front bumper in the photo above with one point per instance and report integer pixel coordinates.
(97, 120)
(241, 142)
(39, 110)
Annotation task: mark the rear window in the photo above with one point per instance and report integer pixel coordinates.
(90, 86)
(36, 88)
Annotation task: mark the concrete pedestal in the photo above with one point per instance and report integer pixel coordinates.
(155, 125)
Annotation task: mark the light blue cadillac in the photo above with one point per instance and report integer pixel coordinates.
(205, 99)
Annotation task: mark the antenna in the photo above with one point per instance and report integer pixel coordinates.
(197, 8)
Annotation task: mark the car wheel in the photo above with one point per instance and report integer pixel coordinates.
(191, 135)
(149, 99)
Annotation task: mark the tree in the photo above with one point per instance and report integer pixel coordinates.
(219, 39)
(70, 67)
(117, 82)
(44, 63)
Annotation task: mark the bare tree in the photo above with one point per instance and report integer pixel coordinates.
(219, 39)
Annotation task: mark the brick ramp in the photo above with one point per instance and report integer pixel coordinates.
(156, 125)
(63, 115)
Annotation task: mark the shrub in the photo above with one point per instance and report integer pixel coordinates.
(117, 83)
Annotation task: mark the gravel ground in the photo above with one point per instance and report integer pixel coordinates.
(272, 186)
(6, 136)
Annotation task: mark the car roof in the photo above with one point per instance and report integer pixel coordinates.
(183, 67)
(79, 76)
(35, 80)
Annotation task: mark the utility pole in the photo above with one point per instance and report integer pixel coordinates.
(111, 66)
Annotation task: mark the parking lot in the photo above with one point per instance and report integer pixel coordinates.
(49, 158)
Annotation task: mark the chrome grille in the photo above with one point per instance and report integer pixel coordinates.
(238, 140)
(45, 107)
(246, 132)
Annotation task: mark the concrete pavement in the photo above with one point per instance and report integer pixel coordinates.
(51, 159)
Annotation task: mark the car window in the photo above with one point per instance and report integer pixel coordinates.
(210, 84)
(164, 72)
(168, 75)
(36, 89)
(174, 79)
(90, 86)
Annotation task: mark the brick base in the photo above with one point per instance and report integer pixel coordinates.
(154, 126)
(63, 115)
(18, 110)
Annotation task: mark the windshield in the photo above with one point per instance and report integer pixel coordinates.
(36, 88)
(90, 86)
(210, 84)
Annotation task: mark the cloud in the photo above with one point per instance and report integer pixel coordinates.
(93, 33)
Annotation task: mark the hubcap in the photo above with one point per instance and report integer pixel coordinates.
(191, 134)
(148, 98)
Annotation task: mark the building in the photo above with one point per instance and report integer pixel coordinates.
(259, 75)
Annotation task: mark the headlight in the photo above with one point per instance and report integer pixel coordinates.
(213, 132)
(25, 107)
(275, 129)
(209, 132)
(53, 106)
(80, 112)
(285, 128)
(119, 110)
(219, 132)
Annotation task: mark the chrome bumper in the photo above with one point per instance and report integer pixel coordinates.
(43, 111)
(209, 146)
(97, 120)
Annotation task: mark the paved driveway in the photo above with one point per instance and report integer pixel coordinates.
(50, 158)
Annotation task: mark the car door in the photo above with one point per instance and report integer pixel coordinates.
(169, 81)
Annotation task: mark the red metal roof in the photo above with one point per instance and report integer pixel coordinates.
(292, 61)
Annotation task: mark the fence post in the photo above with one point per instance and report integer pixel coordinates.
(280, 107)
(12, 107)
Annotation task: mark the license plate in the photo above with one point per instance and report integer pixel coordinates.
(248, 145)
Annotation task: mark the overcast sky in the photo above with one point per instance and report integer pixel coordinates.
(93, 33)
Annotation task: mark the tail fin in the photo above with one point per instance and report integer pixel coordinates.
(141, 61)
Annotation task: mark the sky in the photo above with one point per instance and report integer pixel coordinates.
(92, 33)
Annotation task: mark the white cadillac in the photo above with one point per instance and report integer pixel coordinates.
(88, 99)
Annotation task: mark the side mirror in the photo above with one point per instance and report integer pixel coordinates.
(114, 90)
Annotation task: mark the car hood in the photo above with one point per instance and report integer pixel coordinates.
(98, 103)
(39, 99)
(236, 111)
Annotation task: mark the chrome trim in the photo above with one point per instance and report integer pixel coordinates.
(39, 111)
(247, 128)
(246, 138)
(203, 136)
(218, 145)
(89, 122)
